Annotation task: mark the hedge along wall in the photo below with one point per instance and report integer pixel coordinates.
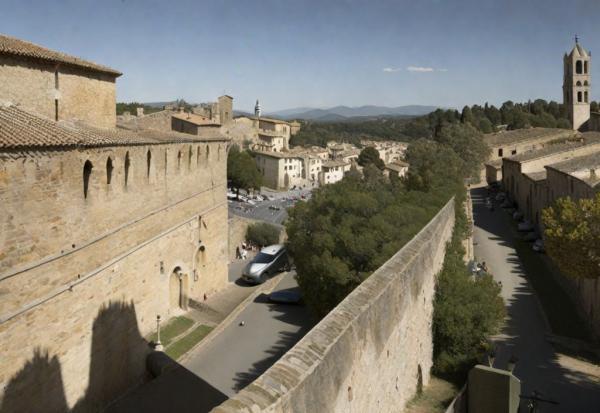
(372, 350)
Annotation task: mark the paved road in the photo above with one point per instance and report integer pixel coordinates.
(540, 367)
(273, 211)
(242, 353)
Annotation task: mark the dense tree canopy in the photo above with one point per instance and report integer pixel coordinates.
(370, 156)
(485, 119)
(242, 172)
(572, 236)
(263, 234)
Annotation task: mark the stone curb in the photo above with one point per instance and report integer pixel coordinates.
(263, 288)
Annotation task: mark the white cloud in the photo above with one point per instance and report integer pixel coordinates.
(391, 69)
(421, 69)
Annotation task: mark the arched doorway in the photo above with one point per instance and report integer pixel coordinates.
(286, 180)
(178, 287)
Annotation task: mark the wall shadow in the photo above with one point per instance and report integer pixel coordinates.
(37, 387)
(118, 353)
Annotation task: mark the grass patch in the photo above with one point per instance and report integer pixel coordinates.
(184, 345)
(175, 327)
(435, 398)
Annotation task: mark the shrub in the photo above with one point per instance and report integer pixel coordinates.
(263, 234)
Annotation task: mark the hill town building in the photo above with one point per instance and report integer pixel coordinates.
(103, 230)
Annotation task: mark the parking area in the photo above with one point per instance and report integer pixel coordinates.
(269, 206)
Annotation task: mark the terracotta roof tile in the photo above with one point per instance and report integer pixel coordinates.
(12, 46)
(20, 129)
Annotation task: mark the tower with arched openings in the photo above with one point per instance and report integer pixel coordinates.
(576, 85)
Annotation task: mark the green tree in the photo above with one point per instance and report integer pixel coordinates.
(467, 310)
(467, 116)
(242, 171)
(468, 144)
(572, 236)
(594, 106)
(263, 234)
(370, 156)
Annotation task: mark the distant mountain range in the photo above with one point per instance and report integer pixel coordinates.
(340, 113)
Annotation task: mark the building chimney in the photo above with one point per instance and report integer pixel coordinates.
(140, 112)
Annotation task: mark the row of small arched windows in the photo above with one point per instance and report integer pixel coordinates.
(581, 67)
(88, 166)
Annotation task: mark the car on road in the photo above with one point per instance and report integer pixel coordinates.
(274, 207)
(269, 261)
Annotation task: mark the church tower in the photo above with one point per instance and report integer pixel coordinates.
(576, 85)
(257, 109)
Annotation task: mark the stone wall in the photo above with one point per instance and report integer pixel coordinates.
(157, 121)
(371, 351)
(82, 279)
(82, 95)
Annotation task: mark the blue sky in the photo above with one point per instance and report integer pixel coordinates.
(319, 53)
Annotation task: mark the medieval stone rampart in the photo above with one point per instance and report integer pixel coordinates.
(372, 351)
(86, 268)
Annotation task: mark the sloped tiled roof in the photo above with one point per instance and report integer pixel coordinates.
(20, 129)
(12, 46)
(522, 135)
(194, 119)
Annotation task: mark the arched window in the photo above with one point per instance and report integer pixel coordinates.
(198, 156)
(579, 67)
(148, 163)
(109, 169)
(578, 83)
(178, 161)
(87, 172)
(585, 67)
(585, 83)
(585, 96)
(190, 159)
(579, 97)
(127, 165)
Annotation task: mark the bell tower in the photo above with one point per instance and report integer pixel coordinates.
(576, 85)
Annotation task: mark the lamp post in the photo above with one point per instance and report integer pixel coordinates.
(158, 346)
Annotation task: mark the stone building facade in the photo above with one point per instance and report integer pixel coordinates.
(101, 231)
(55, 85)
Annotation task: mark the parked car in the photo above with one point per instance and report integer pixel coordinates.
(538, 245)
(525, 226)
(274, 207)
(270, 260)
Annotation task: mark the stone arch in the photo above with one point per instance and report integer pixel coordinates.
(109, 170)
(286, 180)
(585, 67)
(585, 96)
(87, 172)
(585, 83)
(579, 97)
(579, 67)
(127, 166)
(578, 83)
(178, 290)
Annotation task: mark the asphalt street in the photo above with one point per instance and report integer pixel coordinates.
(539, 367)
(239, 354)
(273, 211)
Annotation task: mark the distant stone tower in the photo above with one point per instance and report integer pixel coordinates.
(257, 109)
(576, 85)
